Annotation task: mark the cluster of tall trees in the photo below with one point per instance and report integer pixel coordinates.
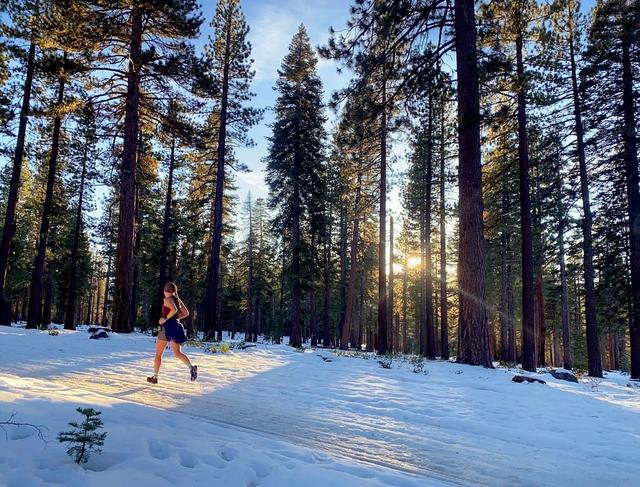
(519, 235)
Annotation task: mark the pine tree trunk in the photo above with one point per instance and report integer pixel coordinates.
(353, 270)
(633, 202)
(528, 299)
(390, 336)
(72, 298)
(511, 313)
(312, 297)
(211, 323)
(430, 350)
(106, 287)
(382, 278)
(326, 340)
(123, 299)
(504, 317)
(166, 236)
(444, 319)
(136, 258)
(359, 332)
(473, 326)
(540, 321)
(614, 351)
(250, 283)
(595, 368)
(557, 356)
(98, 306)
(48, 302)
(405, 296)
(90, 300)
(35, 297)
(567, 362)
(422, 312)
(343, 272)
(296, 292)
(9, 228)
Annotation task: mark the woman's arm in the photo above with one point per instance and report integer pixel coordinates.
(184, 312)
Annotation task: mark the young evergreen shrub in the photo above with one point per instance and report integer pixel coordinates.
(385, 361)
(84, 438)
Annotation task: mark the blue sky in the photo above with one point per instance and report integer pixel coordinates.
(273, 24)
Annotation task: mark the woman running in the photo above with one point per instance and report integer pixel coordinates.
(171, 330)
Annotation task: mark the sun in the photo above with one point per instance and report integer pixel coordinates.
(412, 262)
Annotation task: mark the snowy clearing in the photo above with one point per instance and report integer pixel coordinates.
(272, 416)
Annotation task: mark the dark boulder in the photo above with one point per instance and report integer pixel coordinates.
(564, 375)
(99, 334)
(93, 329)
(524, 378)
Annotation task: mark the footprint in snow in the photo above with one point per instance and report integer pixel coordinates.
(253, 483)
(214, 461)
(158, 450)
(228, 453)
(188, 459)
(261, 469)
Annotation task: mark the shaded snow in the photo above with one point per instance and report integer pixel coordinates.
(274, 416)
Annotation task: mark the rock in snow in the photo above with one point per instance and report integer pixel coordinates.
(564, 375)
(524, 378)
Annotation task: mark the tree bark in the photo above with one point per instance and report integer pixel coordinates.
(430, 350)
(587, 244)
(382, 279)
(136, 254)
(353, 268)
(35, 298)
(473, 326)
(166, 235)
(327, 286)
(405, 296)
(540, 321)
(72, 298)
(343, 272)
(211, 318)
(250, 283)
(528, 305)
(390, 335)
(9, 228)
(567, 361)
(633, 203)
(313, 318)
(444, 320)
(123, 298)
(296, 294)
(48, 302)
(107, 280)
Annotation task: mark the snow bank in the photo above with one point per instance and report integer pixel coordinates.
(272, 416)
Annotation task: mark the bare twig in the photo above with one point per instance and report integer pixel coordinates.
(40, 429)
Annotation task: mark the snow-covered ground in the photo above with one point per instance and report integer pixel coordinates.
(273, 416)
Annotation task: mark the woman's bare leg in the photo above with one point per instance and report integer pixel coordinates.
(160, 347)
(175, 347)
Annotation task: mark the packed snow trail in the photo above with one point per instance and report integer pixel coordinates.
(465, 424)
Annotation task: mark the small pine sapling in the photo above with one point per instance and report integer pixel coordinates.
(418, 364)
(595, 382)
(385, 361)
(84, 438)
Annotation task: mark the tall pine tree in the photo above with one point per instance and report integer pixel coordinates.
(296, 159)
